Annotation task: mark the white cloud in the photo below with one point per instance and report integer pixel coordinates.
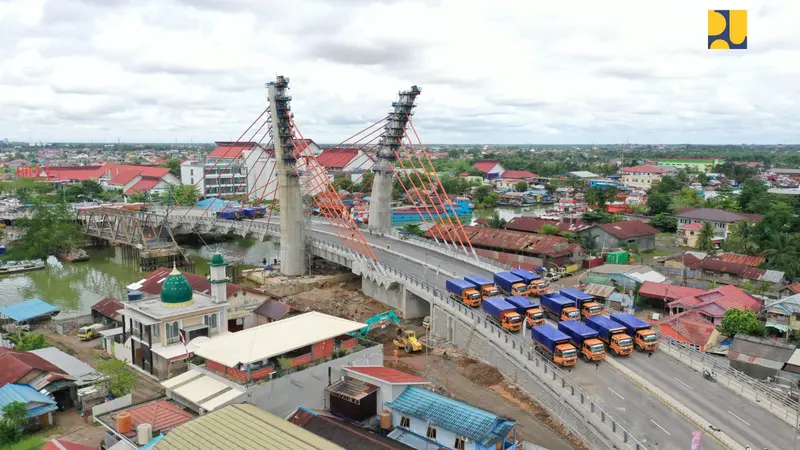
(504, 71)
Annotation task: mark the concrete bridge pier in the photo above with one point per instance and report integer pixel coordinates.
(292, 251)
(394, 295)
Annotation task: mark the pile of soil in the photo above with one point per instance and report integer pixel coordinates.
(337, 301)
(478, 372)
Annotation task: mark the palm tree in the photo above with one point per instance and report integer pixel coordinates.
(706, 240)
(412, 228)
(496, 221)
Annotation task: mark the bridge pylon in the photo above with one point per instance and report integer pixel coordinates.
(380, 214)
(292, 251)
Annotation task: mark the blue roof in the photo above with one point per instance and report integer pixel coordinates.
(23, 393)
(460, 418)
(217, 204)
(20, 312)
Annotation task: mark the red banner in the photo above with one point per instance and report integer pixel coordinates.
(696, 439)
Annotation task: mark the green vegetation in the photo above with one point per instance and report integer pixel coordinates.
(737, 321)
(705, 242)
(120, 377)
(182, 195)
(29, 341)
(548, 229)
(28, 443)
(11, 420)
(521, 186)
(412, 228)
(174, 166)
(51, 228)
(496, 221)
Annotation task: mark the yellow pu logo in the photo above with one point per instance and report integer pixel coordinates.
(727, 29)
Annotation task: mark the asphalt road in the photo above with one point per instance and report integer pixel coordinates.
(660, 425)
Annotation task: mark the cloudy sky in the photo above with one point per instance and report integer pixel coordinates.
(498, 71)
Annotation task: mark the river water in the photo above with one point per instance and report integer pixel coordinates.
(75, 287)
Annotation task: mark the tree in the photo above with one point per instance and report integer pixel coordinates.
(31, 341)
(412, 228)
(752, 190)
(521, 186)
(737, 321)
(174, 166)
(496, 221)
(183, 195)
(548, 229)
(51, 228)
(665, 222)
(120, 377)
(686, 198)
(13, 416)
(474, 172)
(706, 240)
(480, 193)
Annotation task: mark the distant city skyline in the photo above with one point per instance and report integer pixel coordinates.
(548, 73)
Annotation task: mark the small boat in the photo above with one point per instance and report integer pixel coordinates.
(73, 255)
(21, 266)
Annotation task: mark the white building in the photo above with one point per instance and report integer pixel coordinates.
(234, 169)
(642, 176)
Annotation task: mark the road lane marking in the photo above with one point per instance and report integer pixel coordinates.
(734, 415)
(662, 428)
(616, 393)
(681, 382)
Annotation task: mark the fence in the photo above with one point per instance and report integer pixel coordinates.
(780, 403)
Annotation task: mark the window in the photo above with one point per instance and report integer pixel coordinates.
(210, 320)
(405, 422)
(172, 332)
(461, 443)
(191, 172)
(156, 329)
(431, 433)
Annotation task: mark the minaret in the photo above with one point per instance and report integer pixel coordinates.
(219, 279)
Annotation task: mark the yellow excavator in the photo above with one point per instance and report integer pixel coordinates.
(408, 340)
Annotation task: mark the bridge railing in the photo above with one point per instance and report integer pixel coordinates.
(782, 404)
(484, 262)
(527, 360)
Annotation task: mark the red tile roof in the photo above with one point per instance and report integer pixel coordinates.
(667, 291)
(122, 174)
(628, 229)
(643, 169)
(231, 150)
(59, 444)
(153, 283)
(689, 326)
(752, 261)
(108, 307)
(531, 224)
(692, 226)
(387, 374)
(726, 297)
(14, 365)
(518, 242)
(794, 287)
(73, 173)
(517, 175)
(143, 185)
(162, 414)
(336, 158)
(486, 165)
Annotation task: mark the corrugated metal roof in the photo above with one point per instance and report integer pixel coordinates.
(27, 310)
(351, 388)
(667, 291)
(343, 433)
(14, 365)
(599, 290)
(513, 241)
(242, 427)
(276, 338)
(387, 374)
(11, 393)
(108, 307)
(628, 229)
(74, 367)
(273, 309)
(460, 418)
(773, 276)
(752, 261)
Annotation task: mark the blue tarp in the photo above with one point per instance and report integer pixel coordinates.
(20, 312)
(217, 204)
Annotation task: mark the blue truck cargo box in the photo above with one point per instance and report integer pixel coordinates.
(458, 286)
(521, 303)
(478, 281)
(548, 336)
(505, 280)
(496, 305)
(576, 295)
(576, 330)
(526, 275)
(603, 325)
(556, 302)
(631, 323)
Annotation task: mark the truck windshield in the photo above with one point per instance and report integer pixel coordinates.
(83, 330)
(474, 296)
(625, 342)
(597, 348)
(537, 316)
(491, 292)
(514, 319)
(650, 338)
(574, 315)
(595, 309)
(568, 353)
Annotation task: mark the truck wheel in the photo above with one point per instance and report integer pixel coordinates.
(408, 348)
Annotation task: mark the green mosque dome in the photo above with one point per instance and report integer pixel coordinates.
(216, 260)
(176, 289)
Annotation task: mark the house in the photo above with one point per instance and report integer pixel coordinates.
(490, 168)
(337, 160)
(621, 234)
(39, 407)
(233, 169)
(156, 325)
(342, 432)
(783, 315)
(747, 260)
(691, 220)
(692, 164)
(700, 266)
(390, 382)
(242, 302)
(628, 276)
(242, 427)
(510, 178)
(533, 224)
(18, 367)
(793, 174)
(422, 417)
(665, 293)
(133, 179)
(107, 311)
(759, 358)
(82, 373)
(583, 174)
(162, 415)
(642, 177)
(690, 327)
(271, 310)
(713, 303)
(790, 290)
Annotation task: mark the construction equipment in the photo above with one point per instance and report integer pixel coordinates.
(426, 322)
(377, 320)
(408, 341)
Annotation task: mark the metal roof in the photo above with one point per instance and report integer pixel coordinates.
(162, 414)
(460, 418)
(351, 388)
(203, 390)
(599, 290)
(276, 338)
(42, 404)
(242, 427)
(387, 375)
(29, 309)
(74, 367)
